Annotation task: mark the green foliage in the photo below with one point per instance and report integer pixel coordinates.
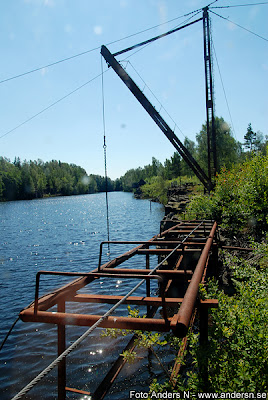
(129, 356)
(156, 189)
(200, 207)
(240, 199)
(145, 340)
(238, 337)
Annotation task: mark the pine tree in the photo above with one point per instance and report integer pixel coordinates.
(250, 138)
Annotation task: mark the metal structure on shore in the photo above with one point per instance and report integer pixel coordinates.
(188, 251)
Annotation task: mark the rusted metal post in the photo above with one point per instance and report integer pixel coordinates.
(148, 284)
(215, 260)
(61, 348)
(180, 321)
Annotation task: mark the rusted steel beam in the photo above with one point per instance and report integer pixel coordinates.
(133, 300)
(145, 324)
(168, 272)
(180, 322)
(209, 303)
(112, 374)
(190, 226)
(182, 231)
(68, 389)
(158, 242)
(165, 251)
(236, 248)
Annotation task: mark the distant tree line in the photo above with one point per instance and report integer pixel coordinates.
(36, 179)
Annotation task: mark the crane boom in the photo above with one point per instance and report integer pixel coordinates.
(135, 90)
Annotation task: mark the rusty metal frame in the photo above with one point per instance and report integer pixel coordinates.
(169, 245)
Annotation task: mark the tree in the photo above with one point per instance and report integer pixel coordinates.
(10, 180)
(176, 165)
(250, 138)
(228, 149)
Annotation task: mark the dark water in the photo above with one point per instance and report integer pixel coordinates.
(63, 234)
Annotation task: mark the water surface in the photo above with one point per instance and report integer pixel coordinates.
(64, 234)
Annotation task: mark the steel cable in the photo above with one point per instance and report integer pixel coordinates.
(9, 332)
(105, 156)
(240, 26)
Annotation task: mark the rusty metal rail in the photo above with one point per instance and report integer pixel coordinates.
(186, 253)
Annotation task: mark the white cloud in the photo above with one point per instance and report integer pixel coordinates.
(97, 30)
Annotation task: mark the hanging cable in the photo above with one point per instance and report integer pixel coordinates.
(223, 87)
(243, 5)
(9, 332)
(51, 105)
(242, 27)
(105, 157)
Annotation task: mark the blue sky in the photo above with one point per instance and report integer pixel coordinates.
(35, 33)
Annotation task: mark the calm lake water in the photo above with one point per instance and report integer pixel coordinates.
(64, 234)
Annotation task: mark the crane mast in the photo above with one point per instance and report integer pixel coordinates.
(211, 134)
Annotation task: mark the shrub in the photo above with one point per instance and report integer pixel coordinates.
(240, 199)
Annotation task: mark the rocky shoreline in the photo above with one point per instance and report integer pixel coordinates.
(178, 198)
